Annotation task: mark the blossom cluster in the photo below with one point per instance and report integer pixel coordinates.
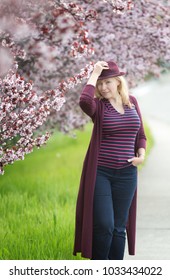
(120, 6)
(22, 112)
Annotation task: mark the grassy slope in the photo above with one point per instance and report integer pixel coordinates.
(38, 198)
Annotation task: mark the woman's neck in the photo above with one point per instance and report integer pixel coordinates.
(117, 100)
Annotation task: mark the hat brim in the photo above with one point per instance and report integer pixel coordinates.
(111, 75)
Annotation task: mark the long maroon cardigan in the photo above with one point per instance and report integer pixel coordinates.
(84, 210)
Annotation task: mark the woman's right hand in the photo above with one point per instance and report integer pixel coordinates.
(99, 66)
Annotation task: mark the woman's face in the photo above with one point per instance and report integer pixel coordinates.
(108, 88)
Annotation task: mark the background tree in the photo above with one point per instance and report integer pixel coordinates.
(48, 48)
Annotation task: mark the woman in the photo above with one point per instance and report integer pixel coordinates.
(106, 204)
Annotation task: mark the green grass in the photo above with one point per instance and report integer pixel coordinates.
(38, 199)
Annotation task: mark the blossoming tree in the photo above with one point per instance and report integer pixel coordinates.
(47, 49)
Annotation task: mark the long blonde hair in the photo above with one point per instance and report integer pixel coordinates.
(122, 89)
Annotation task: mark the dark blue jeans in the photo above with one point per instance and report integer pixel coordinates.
(114, 191)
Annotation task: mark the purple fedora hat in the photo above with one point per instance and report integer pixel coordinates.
(113, 71)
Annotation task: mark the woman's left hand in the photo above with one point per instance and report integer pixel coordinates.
(136, 160)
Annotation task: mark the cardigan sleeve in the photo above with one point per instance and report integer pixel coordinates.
(87, 101)
(141, 137)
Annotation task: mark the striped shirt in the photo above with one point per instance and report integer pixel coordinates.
(118, 136)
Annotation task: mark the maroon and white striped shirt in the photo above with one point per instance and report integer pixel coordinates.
(118, 136)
